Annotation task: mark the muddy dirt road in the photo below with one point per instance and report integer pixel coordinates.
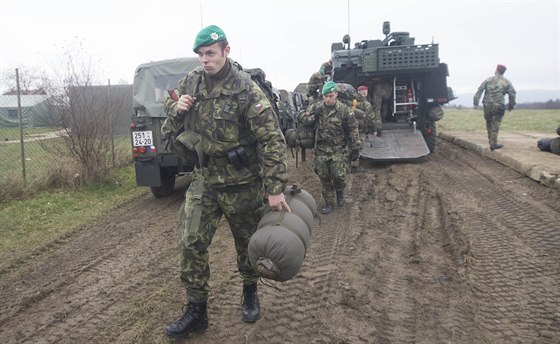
(455, 249)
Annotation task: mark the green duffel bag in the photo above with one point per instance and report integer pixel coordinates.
(278, 247)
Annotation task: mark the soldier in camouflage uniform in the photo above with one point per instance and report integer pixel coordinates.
(337, 128)
(368, 122)
(373, 120)
(382, 91)
(231, 129)
(494, 89)
(318, 79)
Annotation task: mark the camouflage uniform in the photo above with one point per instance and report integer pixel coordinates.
(494, 89)
(382, 92)
(366, 125)
(314, 85)
(234, 114)
(338, 128)
(372, 119)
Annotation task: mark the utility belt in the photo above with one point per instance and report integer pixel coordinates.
(237, 157)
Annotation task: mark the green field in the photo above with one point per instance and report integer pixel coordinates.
(38, 160)
(473, 119)
(13, 134)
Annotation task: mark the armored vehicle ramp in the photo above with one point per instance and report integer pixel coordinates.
(395, 144)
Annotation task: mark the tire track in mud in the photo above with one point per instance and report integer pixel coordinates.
(437, 251)
(73, 294)
(515, 272)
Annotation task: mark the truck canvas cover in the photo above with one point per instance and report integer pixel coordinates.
(153, 79)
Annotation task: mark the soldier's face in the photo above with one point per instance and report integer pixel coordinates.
(363, 93)
(330, 98)
(212, 58)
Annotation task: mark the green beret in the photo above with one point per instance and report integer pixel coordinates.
(329, 87)
(208, 36)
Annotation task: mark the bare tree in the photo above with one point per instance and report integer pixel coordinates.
(84, 112)
(31, 80)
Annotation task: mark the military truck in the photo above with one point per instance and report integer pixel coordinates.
(155, 165)
(417, 80)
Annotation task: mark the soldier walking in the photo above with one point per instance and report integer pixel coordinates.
(230, 127)
(494, 89)
(337, 128)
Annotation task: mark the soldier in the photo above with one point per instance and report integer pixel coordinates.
(373, 119)
(368, 122)
(337, 128)
(318, 79)
(382, 92)
(494, 89)
(240, 153)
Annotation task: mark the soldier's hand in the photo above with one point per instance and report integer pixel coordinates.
(317, 114)
(185, 103)
(278, 203)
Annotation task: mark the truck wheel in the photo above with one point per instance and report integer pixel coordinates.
(167, 184)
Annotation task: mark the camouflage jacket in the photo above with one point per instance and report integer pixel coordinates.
(315, 84)
(372, 121)
(338, 127)
(495, 88)
(234, 114)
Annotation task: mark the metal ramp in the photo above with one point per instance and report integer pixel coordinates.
(395, 144)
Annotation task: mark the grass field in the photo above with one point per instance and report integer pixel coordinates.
(473, 119)
(38, 160)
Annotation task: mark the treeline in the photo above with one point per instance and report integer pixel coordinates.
(548, 105)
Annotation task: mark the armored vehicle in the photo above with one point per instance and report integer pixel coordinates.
(156, 166)
(407, 84)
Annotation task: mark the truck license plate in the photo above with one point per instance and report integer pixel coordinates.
(142, 138)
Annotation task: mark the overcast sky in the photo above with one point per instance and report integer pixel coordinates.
(288, 39)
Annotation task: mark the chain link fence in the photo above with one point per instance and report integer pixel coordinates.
(30, 143)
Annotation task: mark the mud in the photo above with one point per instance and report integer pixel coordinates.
(454, 249)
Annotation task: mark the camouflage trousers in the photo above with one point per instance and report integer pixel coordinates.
(381, 99)
(242, 206)
(493, 114)
(331, 169)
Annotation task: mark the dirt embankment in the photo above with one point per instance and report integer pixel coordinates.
(456, 248)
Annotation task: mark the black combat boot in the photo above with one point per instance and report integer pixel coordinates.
(251, 306)
(195, 319)
(327, 208)
(496, 146)
(340, 199)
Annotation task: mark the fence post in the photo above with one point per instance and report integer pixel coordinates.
(20, 115)
(110, 107)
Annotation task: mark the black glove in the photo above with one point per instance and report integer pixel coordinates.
(378, 132)
(317, 114)
(355, 154)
